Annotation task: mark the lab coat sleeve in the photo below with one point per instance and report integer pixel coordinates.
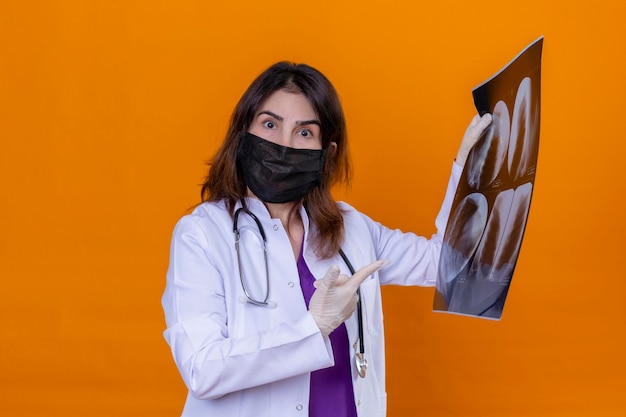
(414, 259)
(211, 363)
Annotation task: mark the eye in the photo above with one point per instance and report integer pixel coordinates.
(305, 133)
(268, 124)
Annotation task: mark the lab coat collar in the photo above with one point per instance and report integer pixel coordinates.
(257, 207)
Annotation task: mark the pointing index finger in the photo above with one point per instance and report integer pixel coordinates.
(360, 275)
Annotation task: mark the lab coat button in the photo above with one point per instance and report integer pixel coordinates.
(290, 284)
(299, 407)
(275, 227)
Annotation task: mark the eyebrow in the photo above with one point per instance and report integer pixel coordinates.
(299, 123)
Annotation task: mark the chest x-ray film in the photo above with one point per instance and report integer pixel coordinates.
(490, 209)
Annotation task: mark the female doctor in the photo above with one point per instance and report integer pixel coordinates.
(261, 305)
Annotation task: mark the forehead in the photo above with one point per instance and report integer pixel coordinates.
(288, 105)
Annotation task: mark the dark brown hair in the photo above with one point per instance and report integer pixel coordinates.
(225, 181)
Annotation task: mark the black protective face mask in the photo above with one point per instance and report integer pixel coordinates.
(278, 174)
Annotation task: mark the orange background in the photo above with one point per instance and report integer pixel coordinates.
(109, 109)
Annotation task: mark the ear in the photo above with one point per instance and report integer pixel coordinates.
(332, 148)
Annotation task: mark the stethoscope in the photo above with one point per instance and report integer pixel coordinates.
(361, 362)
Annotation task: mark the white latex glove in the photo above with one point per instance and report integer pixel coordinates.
(473, 132)
(335, 299)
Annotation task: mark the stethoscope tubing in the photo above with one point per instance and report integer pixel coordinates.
(359, 306)
(250, 298)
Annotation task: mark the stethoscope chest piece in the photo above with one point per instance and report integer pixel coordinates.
(361, 364)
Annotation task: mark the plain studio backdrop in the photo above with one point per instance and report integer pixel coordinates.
(110, 109)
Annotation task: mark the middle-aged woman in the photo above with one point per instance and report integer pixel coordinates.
(261, 293)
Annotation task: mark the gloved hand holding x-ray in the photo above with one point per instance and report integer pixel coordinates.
(473, 132)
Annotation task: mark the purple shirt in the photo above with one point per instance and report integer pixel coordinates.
(331, 392)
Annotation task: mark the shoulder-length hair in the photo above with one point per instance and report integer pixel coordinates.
(225, 180)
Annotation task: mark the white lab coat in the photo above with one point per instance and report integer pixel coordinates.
(238, 359)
